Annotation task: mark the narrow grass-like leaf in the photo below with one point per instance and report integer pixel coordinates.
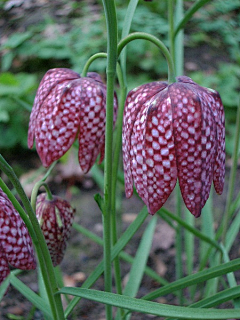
(189, 247)
(117, 248)
(127, 24)
(123, 255)
(189, 242)
(139, 263)
(193, 279)
(150, 307)
(232, 232)
(231, 278)
(137, 269)
(195, 7)
(208, 229)
(162, 212)
(4, 286)
(218, 298)
(31, 296)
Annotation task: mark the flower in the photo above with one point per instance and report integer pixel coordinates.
(55, 218)
(15, 243)
(169, 132)
(67, 106)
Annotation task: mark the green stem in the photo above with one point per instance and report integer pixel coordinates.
(158, 43)
(40, 245)
(179, 44)
(196, 6)
(171, 28)
(90, 61)
(116, 157)
(35, 190)
(111, 21)
(227, 214)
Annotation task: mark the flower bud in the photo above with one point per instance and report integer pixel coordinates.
(55, 218)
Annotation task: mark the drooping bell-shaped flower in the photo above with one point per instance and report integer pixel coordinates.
(15, 243)
(173, 132)
(55, 218)
(68, 106)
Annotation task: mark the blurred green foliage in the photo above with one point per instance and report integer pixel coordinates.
(70, 39)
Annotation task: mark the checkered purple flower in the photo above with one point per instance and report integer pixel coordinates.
(15, 243)
(67, 106)
(173, 132)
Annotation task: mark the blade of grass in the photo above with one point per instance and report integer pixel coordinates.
(31, 296)
(122, 241)
(123, 255)
(232, 232)
(150, 307)
(139, 263)
(218, 298)
(231, 278)
(163, 212)
(208, 229)
(193, 279)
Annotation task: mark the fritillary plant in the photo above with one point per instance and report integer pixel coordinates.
(159, 138)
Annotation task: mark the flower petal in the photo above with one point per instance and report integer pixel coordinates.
(194, 131)
(58, 122)
(92, 122)
(216, 106)
(4, 268)
(14, 236)
(135, 99)
(51, 78)
(153, 162)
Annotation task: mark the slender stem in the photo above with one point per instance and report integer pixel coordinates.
(90, 61)
(41, 246)
(157, 42)
(36, 188)
(171, 28)
(111, 21)
(227, 214)
(195, 7)
(117, 149)
(125, 31)
(179, 41)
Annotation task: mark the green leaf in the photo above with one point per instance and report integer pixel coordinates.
(193, 279)
(37, 301)
(3, 287)
(118, 247)
(218, 298)
(16, 39)
(140, 260)
(139, 263)
(150, 307)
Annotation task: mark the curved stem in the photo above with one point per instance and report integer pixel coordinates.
(90, 61)
(40, 245)
(35, 190)
(157, 42)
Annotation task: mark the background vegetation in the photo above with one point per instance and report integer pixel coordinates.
(40, 36)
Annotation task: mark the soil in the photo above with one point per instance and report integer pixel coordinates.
(82, 254)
